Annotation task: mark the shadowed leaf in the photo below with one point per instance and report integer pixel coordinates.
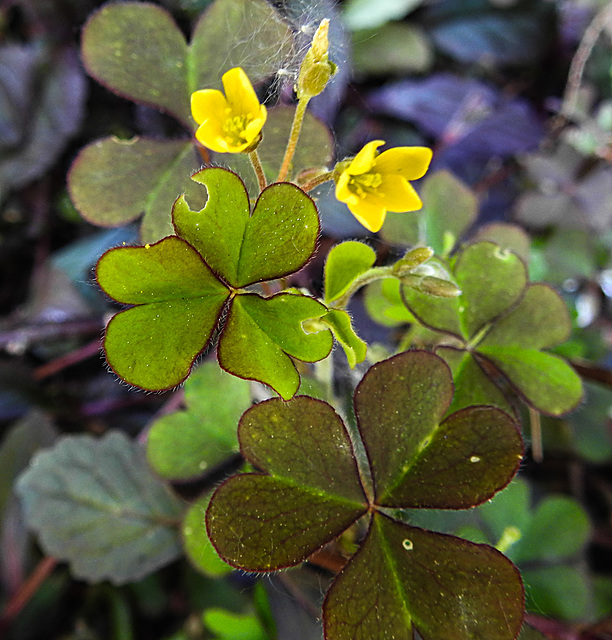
(447, 588)
(96, 504)
(189, 442)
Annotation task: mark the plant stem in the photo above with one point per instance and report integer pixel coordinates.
(315, 182)
(591, 35)
(296, 127)
(371, 275)
(259, 172)
(24, 594)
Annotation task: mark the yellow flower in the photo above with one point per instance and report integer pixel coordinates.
(372, 184)
(229, 123)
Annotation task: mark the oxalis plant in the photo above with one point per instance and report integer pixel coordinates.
(435, 426)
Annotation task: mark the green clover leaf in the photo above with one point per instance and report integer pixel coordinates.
(180, 286)
(401, 577)
(177, 301)
(502, 323)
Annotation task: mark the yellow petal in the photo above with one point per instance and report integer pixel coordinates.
(343, 193)
(364, 160)
(397, 194)
(211, 135)
(255, 126)
(208, 104)
(240, 93)
(370, 215)
(409, 162)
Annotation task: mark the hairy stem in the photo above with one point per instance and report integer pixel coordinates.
(259, 172)
(296, 127)
(315, 182)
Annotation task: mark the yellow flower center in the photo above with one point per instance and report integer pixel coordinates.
(365, 184)
(234, 127)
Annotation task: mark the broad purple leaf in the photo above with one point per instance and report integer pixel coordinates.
(311, 495)
(473, 454)
(399, 403)
(446, 588)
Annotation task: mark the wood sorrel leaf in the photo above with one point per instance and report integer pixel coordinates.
(114, 181)
(276, 240)
(261, 334)
(447, 588)
(137, 50)
(418, 460)
(399, 403)
(491, 280)
(196, 542)
(189, 442)
(473, 454)
(539, 321)
(546, 381)
(178, 301)
(97, 505)
(303, 502)
(345, 262)
(238, 33)
(472, 385)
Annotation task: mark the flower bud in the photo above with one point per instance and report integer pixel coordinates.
(316, 69)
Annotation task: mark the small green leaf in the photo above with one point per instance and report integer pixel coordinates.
(354, 347)
(539, 321)
(198, 548)
(276, 240)
(361, 14)
(96, 504)
(188, 442)
(154, 344)
(507, 236)
(399, 403)
(538, 543)
(304, 502)
(445, 587)
(261, 333)
(491, 280)
(546, 381)
(114, 181)
(344, 263)
(233, 626)
(137, 50)
(395, 48)
(561, 592)
(439, 314)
